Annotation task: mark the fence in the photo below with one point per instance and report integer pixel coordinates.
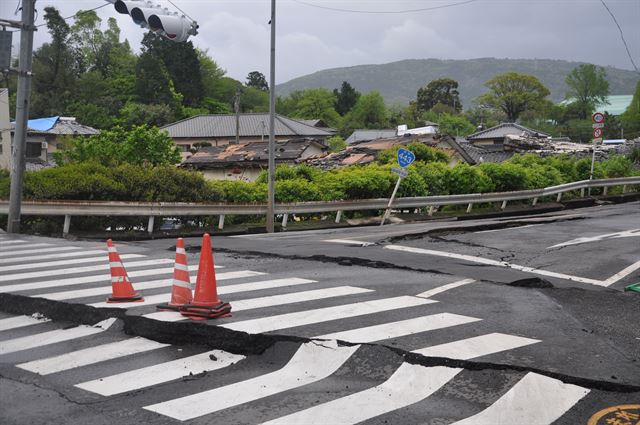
(70, 209)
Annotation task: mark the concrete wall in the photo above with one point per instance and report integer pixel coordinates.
(246, 174)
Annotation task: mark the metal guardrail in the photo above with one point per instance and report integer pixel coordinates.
(169, 209)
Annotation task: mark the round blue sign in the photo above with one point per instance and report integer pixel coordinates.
(405, 157)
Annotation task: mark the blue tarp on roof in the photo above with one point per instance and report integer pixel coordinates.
(42, 124)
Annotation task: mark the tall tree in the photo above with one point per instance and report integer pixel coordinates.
(257, 80)
(181, 60)
(442, 91)
(346, 98)
(369, 112)
(514, 93)
(630, 119)
(55, 67)
(588, 88)
(316, 104)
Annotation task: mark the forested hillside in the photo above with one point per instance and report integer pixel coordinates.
(398, 82)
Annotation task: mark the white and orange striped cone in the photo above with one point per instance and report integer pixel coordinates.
(181, 289)
(121, 288)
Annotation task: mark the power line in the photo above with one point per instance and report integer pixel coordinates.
(74, 15)
(423, 9)
(180, 10)
(621, 35)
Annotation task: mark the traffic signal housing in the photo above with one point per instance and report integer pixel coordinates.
(172, 26)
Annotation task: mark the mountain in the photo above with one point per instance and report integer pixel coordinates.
(398, 82)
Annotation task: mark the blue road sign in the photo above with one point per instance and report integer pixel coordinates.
(405, 157)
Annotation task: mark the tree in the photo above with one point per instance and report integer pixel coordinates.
(588, 88)
(336, 143)
(315, 104)
(514, 93)
(346, 98)
(257, 80)
(442, 91)
(368, 112)
(140, 145)
(630, 119)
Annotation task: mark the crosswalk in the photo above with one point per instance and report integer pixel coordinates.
(262, 303)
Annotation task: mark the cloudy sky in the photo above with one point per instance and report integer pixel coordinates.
(312, 35)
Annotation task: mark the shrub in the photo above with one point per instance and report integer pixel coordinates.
(505, 177)
(467, 179)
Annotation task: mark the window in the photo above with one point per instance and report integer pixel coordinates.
(34, 149)
(185, 148)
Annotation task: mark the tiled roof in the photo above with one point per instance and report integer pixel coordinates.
(251, 125)
(501, 130)
(248, 154)
(476, 154)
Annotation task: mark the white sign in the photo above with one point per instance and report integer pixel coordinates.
(399, 171)
(598, 125)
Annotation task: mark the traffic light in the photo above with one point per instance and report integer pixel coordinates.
(172, 26)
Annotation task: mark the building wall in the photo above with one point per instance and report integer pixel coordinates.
(187, 142)
(246, 174)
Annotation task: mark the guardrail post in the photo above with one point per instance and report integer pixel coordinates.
(559, 197)
(504, 205)
(338, 216)
(604, 190)
(285, 218)
(624, 188)
(469, 207)
(582, 192)
(221, 222)
(67, 225)
(152, 220)
(431, 210)
(535, 201)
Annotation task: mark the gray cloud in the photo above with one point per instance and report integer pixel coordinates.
(309, 39)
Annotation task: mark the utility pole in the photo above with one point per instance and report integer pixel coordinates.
(236, 107)
(22, 115)
(272, 113)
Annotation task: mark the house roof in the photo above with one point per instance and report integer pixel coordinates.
(365, 135)
(501, 130)
(256, 125)
(57, 125)
(248, 154)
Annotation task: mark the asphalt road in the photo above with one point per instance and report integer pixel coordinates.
(436, 331)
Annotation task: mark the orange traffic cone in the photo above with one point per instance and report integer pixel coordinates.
(121, 288)
(206, 304)
(181, 290)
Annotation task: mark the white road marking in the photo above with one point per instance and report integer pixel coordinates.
(307, 317)
(480, 260)
(91, 355)
(46, 338)
(408, 385)
(431, 292)
(20, 322)
(400, 328)
(81, 280)
(139, 286)
(36, 265)
(252, 303)
(477, 346)
(622, 274)
(12, 242)
(9, 252)
(616, 235)
(160, 373)
(32, 258)
(349, 242)
(539, 399)
(311, 363)
(510, 228)
(74, 270)
(28, 252)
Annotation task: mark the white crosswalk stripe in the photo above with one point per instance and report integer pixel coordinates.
(19, 322)
(32, 265)
(295, 374)
(32, 258)
(12, 252)
(91, 355)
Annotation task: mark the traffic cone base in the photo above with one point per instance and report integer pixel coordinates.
(135, 298)
(200, 312)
